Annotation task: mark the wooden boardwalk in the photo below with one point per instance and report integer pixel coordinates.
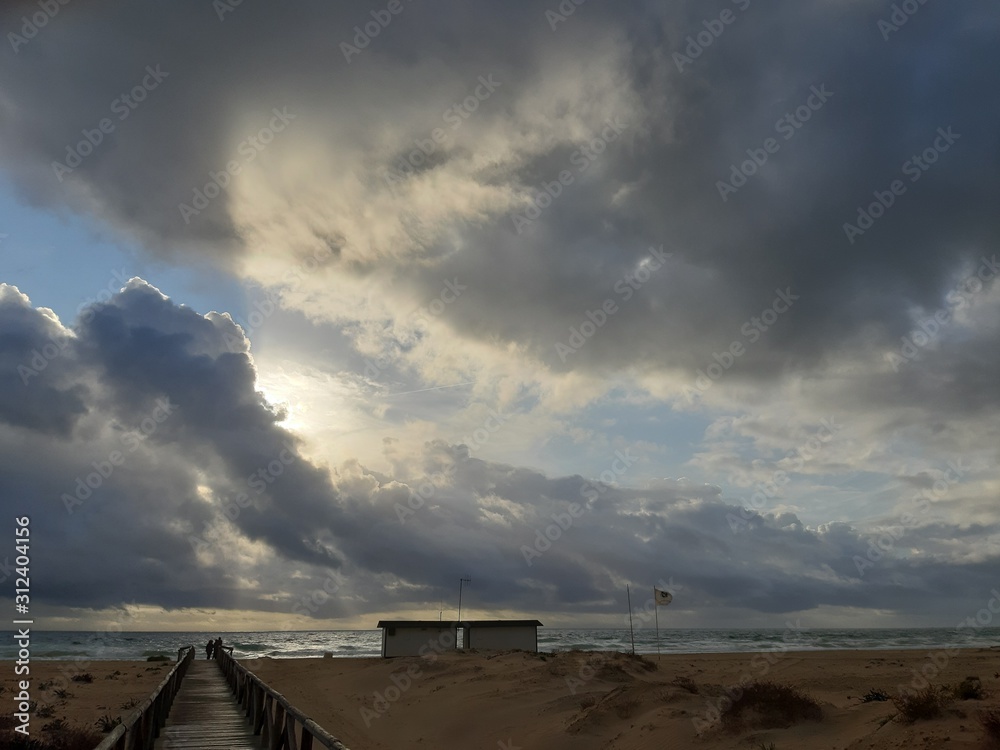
(206, 715)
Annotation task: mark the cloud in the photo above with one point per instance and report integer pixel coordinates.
(566, 158)
(170, 461)
(321, 185)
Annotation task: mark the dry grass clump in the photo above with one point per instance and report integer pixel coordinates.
(55, 736)
(769, 705)
(874, 695)
(626, 708)
(990, 722)
(922, 704)
(686, 683)
(970, 689)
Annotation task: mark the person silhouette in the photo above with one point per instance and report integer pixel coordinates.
(209, 648)
(218, 647)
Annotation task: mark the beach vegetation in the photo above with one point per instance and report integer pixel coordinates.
(875, 695)
(83, 677)
(768, 705)
(920, 704)
(58, 735)
(45, 711)
(106, 723)
(970, 689)
(63, 694)
(130, 703)
(686, 683)
(627, 708)
(990, 722)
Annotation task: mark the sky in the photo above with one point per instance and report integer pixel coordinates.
(307, 312)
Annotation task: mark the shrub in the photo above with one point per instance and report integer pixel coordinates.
(874, 695)
(130, 703)
(767, 705)
(45, 712)
(686, 683)
(990, 722)
(63, 694)
(922, 704)
(84, 677)
(106, 723)
(970, 689)
(626, 708)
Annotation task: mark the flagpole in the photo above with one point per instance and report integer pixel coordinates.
(631, 632)
(656, 615)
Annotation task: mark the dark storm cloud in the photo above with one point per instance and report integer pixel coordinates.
(885, 95)
(160, 434)
(531, 542)
(206, 83)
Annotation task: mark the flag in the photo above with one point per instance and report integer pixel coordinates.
(662, 597)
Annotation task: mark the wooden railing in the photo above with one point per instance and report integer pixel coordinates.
(271, 715)
(140, 730)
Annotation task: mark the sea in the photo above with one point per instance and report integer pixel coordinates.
(367, 643)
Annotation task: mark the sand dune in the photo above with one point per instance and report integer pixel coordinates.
(592, 701)
(578, 700)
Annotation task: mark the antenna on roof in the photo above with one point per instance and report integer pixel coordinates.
(465, 579)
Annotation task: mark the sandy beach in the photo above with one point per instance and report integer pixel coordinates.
(62, 701)
(595, 700)
(577, 699)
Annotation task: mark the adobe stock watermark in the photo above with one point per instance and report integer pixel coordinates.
(752, 330)
(899, 17)
(454, 116)
(786, 127)
(881, 545)
(123, 106)
(30, 26)
(403, 679)
(249, 148)
(421, 493)
(309, 604)
(769, 490)
(264, 308)
(930, 328)
(51, 349)
(625, 288)
(938, 660)
(103, 469)
(366, 32)
(563, 11)
(914, 168)
(562, 521)
(714, 28)
(581, 159)
(451, 290)
(258, 481)
(645, 613)
(760, 665)
(587, 671)
(222, 7)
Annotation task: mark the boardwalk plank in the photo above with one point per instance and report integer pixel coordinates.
(205, 714)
